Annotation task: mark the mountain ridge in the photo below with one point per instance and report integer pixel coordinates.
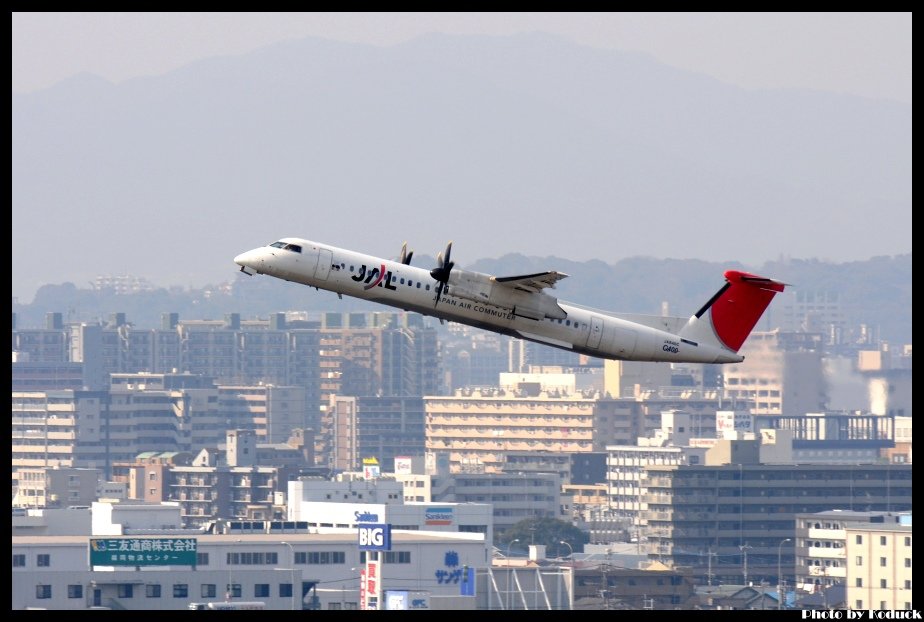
(876, 292)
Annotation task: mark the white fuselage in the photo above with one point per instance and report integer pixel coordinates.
(392, 283)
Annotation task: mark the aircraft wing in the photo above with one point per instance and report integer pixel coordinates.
(532, 283)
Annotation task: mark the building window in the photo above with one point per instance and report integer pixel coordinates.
(883, 562)
(43, 560)
(859, 560)
(907, 584)
(907, 540)
(859, 539)
(75, 591)
(882, 540)
(202, 559)
(180, 590)
(19, 561)
(253, 559)
(43, 591)
(883, 583)
(325, 557)
(285, 590)
(859, 582)
(208, 590)
(859, 603)
(125, 590)
(261, 590)
(397, 557)
(152, 590)
(234, 590)
(907, 562)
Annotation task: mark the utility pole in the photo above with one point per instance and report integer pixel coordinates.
(710, 554)
(780, 585)
(744, 548)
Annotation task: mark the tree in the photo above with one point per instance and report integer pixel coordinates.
(548, 531)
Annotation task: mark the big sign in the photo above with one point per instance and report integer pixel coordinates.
(374, 537)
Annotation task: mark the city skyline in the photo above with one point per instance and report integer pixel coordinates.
(188, 433)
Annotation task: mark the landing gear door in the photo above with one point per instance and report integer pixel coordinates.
(325, 260)
(596, 332)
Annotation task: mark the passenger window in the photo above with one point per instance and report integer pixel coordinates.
(410, 283)
(418, 284)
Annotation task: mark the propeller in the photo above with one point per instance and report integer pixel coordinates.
(441, 272)
(405, 256)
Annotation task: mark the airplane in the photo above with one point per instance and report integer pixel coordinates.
(520, 307)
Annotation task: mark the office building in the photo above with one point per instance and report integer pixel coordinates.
(700, 515)
(879, 563)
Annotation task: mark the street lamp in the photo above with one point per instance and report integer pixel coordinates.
(570, 551)
(509, 572)
(292, 571)
(779, 572)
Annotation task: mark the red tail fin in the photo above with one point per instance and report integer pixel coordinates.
(737, 307)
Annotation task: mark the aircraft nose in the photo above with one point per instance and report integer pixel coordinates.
(251, 259)
(245, 259)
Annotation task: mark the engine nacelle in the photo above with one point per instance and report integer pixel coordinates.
(482, 288)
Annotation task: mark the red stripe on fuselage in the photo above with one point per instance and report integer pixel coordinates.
(379, 279)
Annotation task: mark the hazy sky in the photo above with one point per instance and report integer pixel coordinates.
(866, 54)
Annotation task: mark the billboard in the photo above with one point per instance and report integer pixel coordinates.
(403, 600)
(403, 465)
(374, 537)
(731, 421)
(373, 589)
(143, 551)
(371, 468)
(438, 516)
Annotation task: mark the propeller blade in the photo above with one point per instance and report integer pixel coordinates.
(439, 292)
(440, 273)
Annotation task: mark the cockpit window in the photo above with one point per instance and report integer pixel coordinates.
(295, 248)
